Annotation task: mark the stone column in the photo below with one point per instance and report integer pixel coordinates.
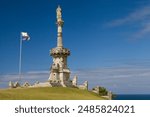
(59, 23)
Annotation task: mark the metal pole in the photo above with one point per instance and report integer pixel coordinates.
(20, 57)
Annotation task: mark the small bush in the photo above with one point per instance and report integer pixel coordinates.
(102, 91)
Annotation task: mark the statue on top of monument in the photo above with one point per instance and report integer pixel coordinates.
(58, 11)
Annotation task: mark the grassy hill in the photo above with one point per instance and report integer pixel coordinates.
(48, 93)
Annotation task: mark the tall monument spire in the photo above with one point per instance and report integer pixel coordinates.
(59, 72)
(59, 23)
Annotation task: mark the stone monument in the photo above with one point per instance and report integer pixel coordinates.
(59, 72)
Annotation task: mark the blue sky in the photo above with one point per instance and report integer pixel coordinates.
(109, 41)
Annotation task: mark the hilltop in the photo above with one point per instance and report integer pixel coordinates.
(48, 93)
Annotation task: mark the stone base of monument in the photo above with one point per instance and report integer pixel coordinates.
(55, 83)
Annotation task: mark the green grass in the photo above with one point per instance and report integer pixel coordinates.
(48, 93)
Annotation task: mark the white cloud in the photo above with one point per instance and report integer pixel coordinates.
(38, 72)
(145, 30)
(139, 17)
(123, 79)
(31, 75)
(119, 79)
